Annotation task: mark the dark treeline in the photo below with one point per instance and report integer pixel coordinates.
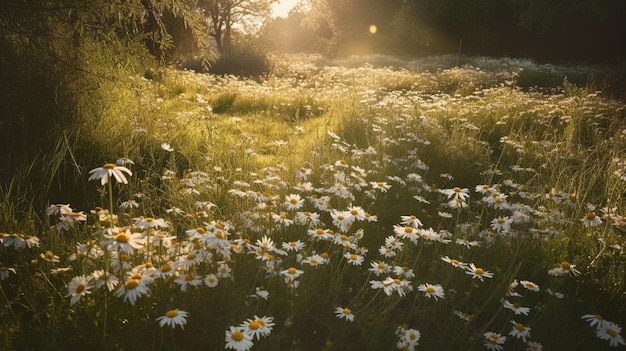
(547, 31)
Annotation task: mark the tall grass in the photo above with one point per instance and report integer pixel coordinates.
(226, 171)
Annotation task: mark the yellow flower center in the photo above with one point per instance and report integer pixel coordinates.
(598, 317)
(530, 285)
(354, 257)
(520, 327)
(200, 230)
(501, 220)
(135, 276)
(325, 255)
(590, 216)
(189, 277)
(293, 201)
(381, 184)
(494, 336)
(191, 256)
(354, 212)
(346, 311)
(455, 262)
(566, 266)
(457, 189)
(122, 238)
(149, 219)
(611, 332)
(131, 284)
(408, 230)
(381, 265)
(79, 288)
(412, 336)
(319, 231)
(397, 281)
(291, 270)
(254, 325)
(171, 313)
(124, 257)
(313, 261)
(236, 335)
(479, 271)
(109, 166)
(166, 268)
(430, 290)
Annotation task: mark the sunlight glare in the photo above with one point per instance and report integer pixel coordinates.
(282, 8)
(373, 29)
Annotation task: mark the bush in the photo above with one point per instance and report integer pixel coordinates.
(243, 59)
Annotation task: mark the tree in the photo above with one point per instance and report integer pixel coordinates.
(223, 15)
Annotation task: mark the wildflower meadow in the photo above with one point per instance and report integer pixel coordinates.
(363, 204)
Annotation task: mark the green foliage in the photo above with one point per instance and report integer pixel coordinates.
(377, 134)
(242, 59)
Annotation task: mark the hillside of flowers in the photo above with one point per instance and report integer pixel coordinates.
(364, 204)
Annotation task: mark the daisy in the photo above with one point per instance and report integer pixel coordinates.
(188, 279)
(379, 267)
(456, 193)
(529, 285)
(78, 287)
(314, 260)
(494, 341)
(292, 273)
(404, 271)
(103, 278)
(477, 272)
(5, 271)
(238, 340)
(591, 220)
(515, 307)
(382, 186)
(564, 268)
(434, 291)
(150, 222)
(307, 218)
(293, 246)
(408, 338)
(293, 202)
(501, 224)
(595, 320)
(406, 232)
(354, 259)
(211, 280)
(261, 293)
(223, 271)
(520, 331)
(320, 234)
(173, 318)
(411, 220)
(124, 242)
(132, 290)
(342, 220)
(454, 263)
(258, 326)
(344, 313)
(124, 161)
(167, 147)
(105, 172)
(534, 346)
(464, 316)
(611, 332)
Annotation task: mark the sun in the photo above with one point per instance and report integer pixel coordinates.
(282, 8)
